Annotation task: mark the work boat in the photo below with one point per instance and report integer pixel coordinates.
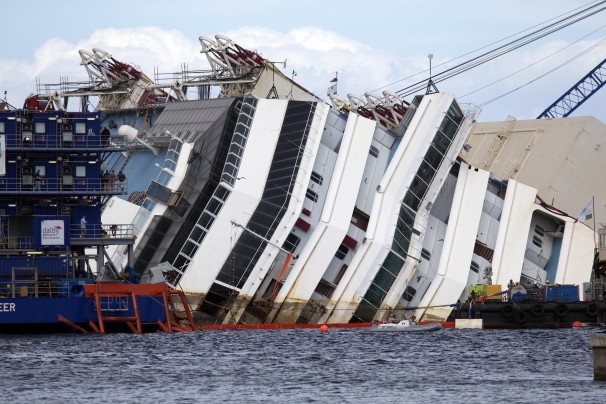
(405, 326)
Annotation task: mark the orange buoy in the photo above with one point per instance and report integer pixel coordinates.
(577, 324)
(323, 328)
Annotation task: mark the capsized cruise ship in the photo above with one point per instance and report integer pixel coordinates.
(268, 204)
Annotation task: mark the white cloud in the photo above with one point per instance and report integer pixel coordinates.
(146, 47)
(316, 54)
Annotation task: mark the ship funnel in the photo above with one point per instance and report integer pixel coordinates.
(131, 135)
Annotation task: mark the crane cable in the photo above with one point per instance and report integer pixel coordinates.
(504, 49)
(483, 104)
(539, 61)
(474, 51)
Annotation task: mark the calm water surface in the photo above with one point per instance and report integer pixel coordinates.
(451, 366)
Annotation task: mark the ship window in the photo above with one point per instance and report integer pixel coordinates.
(175, 144)
(409, 293)
(431, 161)
(214, 206)
(80, 171)
(2, 128)
(171, 165)
(40, 127)
(80, 128)
(359, 219)
(197, 234)
(42, 170)
(148, 204)
(537, 241)
(373, 151)
(221, 193)
(172, 156)
(164, 178)
(539, 230)
(311, 195)
(425, 254)
(342, 251)
(317, 178)
(340, 274)
(291, 242)
(475, 267)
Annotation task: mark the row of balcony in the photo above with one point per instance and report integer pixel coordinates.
(67, 140)
(67, 183)
(90, 231)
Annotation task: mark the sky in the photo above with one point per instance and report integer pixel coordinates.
(370, 47)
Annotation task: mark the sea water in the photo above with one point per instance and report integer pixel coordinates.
(302, 366)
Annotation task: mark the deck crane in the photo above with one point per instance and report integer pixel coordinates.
(577, 94)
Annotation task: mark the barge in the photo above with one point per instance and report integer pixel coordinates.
(54, 275)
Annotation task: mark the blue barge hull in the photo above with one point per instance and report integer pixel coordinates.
(101, 307)
(43, 314)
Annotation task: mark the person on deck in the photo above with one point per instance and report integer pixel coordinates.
(83, 223)
(510, 286)
(112, 181)
(37, 180)
(121, 178)
(105, 135)
(105, 181)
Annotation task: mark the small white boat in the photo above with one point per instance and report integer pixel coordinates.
(405, 326)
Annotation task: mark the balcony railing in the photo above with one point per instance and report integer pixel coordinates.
(106, 231)
(91, 231)
(35, 281)
(325, 288)
(66, 183)
(65, 140)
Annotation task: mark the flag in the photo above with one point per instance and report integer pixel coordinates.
(334, 80)
(332, 89)
(586, 213)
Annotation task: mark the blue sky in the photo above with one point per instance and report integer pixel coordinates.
(370, 45)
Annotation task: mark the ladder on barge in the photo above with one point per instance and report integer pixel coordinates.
(108, 297)
(109, 301)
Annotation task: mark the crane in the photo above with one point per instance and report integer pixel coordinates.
(577, 94)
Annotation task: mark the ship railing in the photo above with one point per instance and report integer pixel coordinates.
(105, 231)
(325, 288)
(39, 285)
(63, 140)
(67, 183)
(14, 243)
(95, 230)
